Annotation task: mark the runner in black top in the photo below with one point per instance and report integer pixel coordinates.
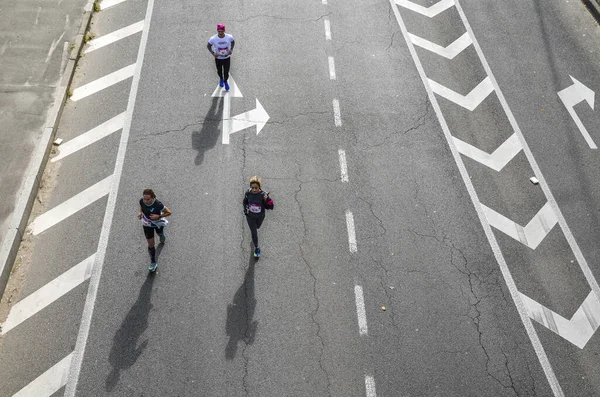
(152, 213)
(255, 203)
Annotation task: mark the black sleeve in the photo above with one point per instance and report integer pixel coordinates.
(209, 47)
(232, 44)
(245, 202)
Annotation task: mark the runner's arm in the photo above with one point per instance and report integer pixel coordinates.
(165, 212)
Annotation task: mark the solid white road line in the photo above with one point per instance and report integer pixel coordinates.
(49, 382)
(112, 37)
(327, 29)
(510, 282)
(336, 113)
(351, 232)
(324, 2)
(95, 134)
(86, 318)
(331, 68)
(343, 165)
(360, 310)
(104, 4)
(49, 293)
(370, 386)
(102, 83)
(71, 206)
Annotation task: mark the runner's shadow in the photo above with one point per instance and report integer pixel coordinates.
(207, 137)
(240, 326)
(125, 350)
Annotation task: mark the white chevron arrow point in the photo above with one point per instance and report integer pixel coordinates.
(430, 11)
(498, 158)
(469, 101)
(450, 51)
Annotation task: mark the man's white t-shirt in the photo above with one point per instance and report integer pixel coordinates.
(221, 45)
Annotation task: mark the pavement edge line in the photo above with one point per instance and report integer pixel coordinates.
(29, 189)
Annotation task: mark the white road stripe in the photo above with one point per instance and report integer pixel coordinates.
(112, 37)
(351, 232)
(104, 4)
(71, 206)
(50, 292)
(49, 382)
(327, 29)
(360, 310)
(331, 68)
(102, 83)
(93, 135)
(324, 2)
(336, 113)
(343, 165)
(370, 386)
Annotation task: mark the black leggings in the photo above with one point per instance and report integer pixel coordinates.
(254, 222)
(223, 67)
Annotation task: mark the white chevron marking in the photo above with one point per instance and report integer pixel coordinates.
(430, 11)
(578, 330)
(49, 382)
(469, 101)
(532, 234)
(496, 160)
(449, 51)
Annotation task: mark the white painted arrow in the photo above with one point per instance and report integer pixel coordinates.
(430, 11)
(234, 91)
(578, 330)
(449, 51)
(570, 97)
(532, 234)
(469, 101)
(496, 160)
(257, 117)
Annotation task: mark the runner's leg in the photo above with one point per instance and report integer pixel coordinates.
(253, 229)
(226, 64)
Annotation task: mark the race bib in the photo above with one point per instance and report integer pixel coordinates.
(223, 51)
(255, 208)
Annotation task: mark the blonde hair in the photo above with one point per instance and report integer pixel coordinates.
(256, 180)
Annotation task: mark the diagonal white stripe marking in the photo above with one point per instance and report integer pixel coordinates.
(370, 386)
(93, 135)
(343, 165)
(430, 11)
(49, 382)
(498, 159)
(50, 292)
(450, 51)
(469, 101)
(102, 83)
(351, 232)
(361, 313)
(104, 4)
(531, 235)
(115, 36)
(71, 206)
(578, 330)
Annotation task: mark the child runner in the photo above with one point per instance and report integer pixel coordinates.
(221, 47)
(255, 203)
(152, 213)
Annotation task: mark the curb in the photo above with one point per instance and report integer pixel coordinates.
(26, 196)
(593, 7)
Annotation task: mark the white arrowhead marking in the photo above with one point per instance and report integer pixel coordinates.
(234, 91)
(430, 11)
(578, 330)
(448, 52)
(257, 117)
(532, 234)
(469, 101)
(496, 160)
(570, 97)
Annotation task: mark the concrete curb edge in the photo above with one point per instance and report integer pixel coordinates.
(26, 196)
(595, 4)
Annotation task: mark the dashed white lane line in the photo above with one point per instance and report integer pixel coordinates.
(331, 68)
(351, 232)
(71, 206)
(370, 386)
(109, 3)
(49, 382)
(343, 165)
(337, 116)
(360, 310)
(324, 2)
(95, 134)
(327, 29)
(49, 293)
(102, 83)
(112, 37)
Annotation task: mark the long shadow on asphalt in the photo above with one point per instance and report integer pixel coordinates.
(240, 326)
(208, 136)
(125, 349)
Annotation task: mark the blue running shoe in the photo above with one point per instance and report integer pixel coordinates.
(257, 253)
(226, 86)
(162, 238)
(221, 83)
(152, 267)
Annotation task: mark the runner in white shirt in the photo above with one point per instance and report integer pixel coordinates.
(221, 47)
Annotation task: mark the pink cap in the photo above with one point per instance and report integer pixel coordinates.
(220, 27)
